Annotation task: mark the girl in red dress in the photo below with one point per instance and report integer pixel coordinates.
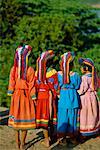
(46, 85)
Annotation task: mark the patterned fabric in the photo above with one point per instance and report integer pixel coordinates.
(41, 64)
(21, 60)
(90, 107)
(66, 59)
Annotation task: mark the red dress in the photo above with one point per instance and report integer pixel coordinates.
(46, 100)
(22, 109)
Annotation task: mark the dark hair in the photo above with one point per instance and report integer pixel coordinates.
(71, 65)
(50, 63)
(87, 66)
(21, 43)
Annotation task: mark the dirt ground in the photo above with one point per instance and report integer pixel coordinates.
(34, 138)
(96, 5)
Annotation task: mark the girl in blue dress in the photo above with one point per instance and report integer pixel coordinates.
(68, 105)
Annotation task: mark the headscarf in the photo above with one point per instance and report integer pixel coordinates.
(66, 58)
(89, 62)
(41, 64)
(21, 60)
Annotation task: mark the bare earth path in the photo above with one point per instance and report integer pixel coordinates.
(34, 137)
(96, 5)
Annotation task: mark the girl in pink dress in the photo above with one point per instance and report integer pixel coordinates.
(90, 105)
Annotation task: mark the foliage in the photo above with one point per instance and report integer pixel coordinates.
(61, 25)
(10, 15)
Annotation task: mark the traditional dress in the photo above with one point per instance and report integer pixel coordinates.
(69, 102)
(90, 105)
(46, 97)
(22, 90)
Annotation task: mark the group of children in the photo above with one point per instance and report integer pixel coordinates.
(46, 98)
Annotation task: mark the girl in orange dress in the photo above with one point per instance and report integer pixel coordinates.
(22, 92)
(46, 85)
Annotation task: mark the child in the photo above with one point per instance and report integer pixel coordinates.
(22, 90)
(68, 104)
(46, 84)
(89, 113)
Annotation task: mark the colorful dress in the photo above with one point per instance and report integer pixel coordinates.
(22, 109)
(68, 104)
(46, 100)
(89, 113)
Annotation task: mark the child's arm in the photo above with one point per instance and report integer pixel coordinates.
(60, 83)
(31, 82)
(77, 81)
(83, 86)
(11, 86)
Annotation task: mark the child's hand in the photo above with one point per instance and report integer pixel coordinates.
(79, 92)
(58, 96)
(33, 97)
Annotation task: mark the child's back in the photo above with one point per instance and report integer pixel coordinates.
(69, 97)
(22, 111)
(68, 104)
(89, 113)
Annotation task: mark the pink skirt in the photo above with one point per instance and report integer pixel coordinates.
(89, 114)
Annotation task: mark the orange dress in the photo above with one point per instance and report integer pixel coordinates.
(22, 109)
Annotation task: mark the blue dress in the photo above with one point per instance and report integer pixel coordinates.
(69, 103)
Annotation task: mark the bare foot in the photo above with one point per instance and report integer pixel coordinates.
(83, 139)
(22, 147)
(45, 143)
(74, 141)
(62, 141)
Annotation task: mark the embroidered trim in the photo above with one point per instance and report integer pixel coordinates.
(12, 119)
